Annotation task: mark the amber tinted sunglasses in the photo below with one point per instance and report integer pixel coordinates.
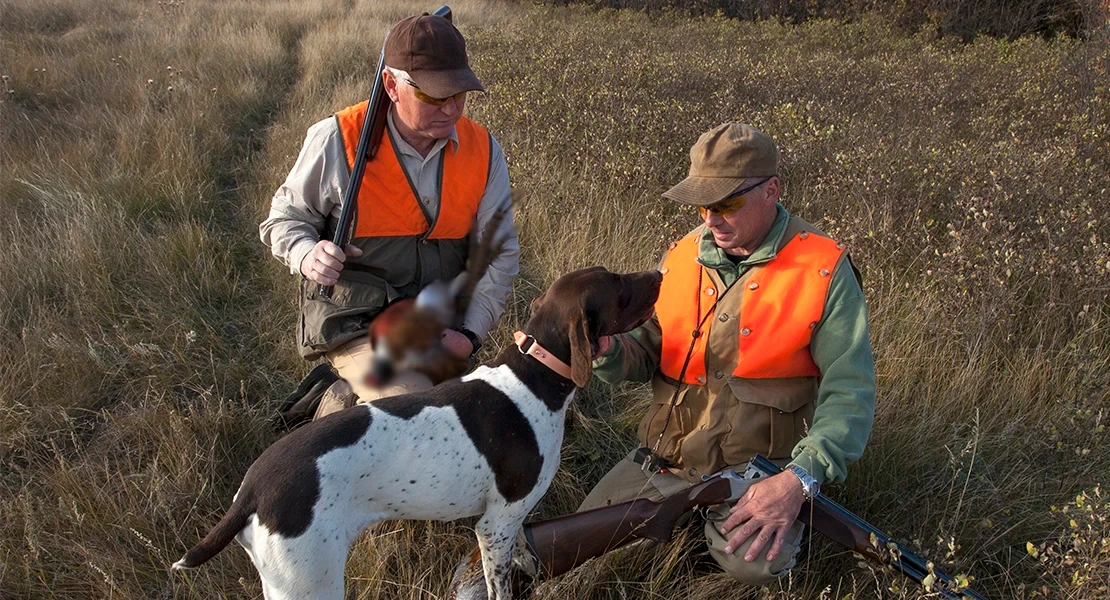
(732, 202)
(421, 96)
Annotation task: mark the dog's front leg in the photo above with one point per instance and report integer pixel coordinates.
(496, 532)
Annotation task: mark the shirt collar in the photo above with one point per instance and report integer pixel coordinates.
(404, 148)
(713, 257)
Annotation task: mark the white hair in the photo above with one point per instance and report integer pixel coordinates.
(398, 73)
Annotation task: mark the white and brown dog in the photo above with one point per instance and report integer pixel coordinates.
(487, 444)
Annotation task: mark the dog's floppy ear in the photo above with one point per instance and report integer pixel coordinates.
(536, 302)
(581, 353)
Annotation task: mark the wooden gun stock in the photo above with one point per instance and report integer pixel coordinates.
(558, 545)
(369, 138)
(563, 543)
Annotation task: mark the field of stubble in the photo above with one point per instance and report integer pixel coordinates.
(147, 334)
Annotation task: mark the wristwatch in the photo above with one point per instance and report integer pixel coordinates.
(810, 487)
(473, 337)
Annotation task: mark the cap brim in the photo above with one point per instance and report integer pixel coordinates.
(704, 191)
(441, 84)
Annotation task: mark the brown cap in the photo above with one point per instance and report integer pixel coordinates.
(433, 53)
(724, 159)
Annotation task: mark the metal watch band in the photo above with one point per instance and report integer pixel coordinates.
(810, 487)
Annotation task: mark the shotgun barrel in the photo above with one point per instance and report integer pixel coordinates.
(845, 528)
(369, 138)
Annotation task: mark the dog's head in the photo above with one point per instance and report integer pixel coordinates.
(584, 305)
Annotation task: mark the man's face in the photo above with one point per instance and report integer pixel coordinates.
(741, 231)
(420, 118)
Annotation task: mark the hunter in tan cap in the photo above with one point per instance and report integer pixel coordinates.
(723, 160)
(759, 344)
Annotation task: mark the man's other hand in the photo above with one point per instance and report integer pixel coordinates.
(323, 263)
(767, 511)
(456, 343)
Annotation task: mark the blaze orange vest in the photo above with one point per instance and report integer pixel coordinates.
(387, 199)
(781, 303)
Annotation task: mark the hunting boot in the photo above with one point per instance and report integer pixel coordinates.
(337, 397)
(299, 406)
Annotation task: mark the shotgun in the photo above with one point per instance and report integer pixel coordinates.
(555, 546)
(369, 138)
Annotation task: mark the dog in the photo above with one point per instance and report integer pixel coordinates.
(487, 444)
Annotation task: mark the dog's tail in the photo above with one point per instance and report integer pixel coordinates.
(220, 536)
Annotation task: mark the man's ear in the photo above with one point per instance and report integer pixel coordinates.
(581, 353)
(389, 83)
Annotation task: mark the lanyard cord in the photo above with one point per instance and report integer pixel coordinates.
(694, 335)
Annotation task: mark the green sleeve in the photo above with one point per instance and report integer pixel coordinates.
(841, 348)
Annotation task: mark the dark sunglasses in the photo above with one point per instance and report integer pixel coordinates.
(421, 96)
(732, 202)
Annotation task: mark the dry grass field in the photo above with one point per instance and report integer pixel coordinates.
(148, 335)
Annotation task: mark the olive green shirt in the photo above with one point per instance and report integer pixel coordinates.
(841, 349)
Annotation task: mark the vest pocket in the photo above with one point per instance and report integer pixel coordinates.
(328, 323)
(769, 417)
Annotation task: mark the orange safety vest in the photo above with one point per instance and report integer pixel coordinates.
(388, 199)
(781, 303)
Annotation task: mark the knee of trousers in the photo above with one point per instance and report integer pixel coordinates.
(404, 382)
(759, 571)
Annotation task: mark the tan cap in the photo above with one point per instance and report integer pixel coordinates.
(433, 53)
(724, 159)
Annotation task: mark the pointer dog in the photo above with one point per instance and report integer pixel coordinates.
(487, 444)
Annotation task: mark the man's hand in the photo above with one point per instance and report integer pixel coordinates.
(323, 263)
(767, 510)
(456, 343)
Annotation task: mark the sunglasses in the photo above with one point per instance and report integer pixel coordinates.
(732, 202)
(421, 96)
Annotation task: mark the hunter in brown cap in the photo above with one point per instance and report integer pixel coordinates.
(436, 178)
(759, 344)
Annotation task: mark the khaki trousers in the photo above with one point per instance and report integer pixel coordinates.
(628, 481)
(350, 361)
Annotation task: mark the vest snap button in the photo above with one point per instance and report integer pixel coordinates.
(803, 234)
(723, 317)
(664, 270)
(813, 325)
(824, 272)
(710, 291)
(701, 378)
(753, 286)
(719, 375)
(745, 332)
(672, 245)
(840, 245)
(693, 472)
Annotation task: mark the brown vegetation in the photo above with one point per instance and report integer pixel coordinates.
(148, 335)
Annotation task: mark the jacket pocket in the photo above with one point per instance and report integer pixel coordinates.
(656, 420)
(769, 417)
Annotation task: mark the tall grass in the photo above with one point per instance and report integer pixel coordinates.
(148, 335)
